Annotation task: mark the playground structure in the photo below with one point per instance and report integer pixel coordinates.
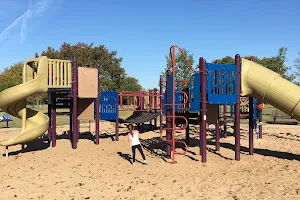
(212, 85)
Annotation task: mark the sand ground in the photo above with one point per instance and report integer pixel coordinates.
(104, 171)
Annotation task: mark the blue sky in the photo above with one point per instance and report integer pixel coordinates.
(143, 31)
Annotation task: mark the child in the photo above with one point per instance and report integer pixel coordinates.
(260, 106)
(259, 111)
(133, 136)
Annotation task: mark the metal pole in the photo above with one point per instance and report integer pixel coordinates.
(150, 98)
(168, 119)
(217, 133)
(142, 101)
(49, 115)
(237, 131)
(155, 105)
(71, 122)
(97, 109)
(251, 124)
(53, 113)
(117, 119)
(187, 130)
(74, 114)
(203, 76)
(225, 120)
(217, 125)
(160, 103)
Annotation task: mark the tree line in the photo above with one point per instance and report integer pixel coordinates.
(276, 63)
(113, 75)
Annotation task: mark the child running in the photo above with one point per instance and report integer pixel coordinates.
(133, 136)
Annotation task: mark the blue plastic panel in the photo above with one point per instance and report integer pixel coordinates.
(178, 95)
(194, 95)
(109, 105)
(170, 88)
(164, 108)
(221, 83)
(179, 100)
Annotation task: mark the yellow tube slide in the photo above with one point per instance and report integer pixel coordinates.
(270, 87)
(13, 102)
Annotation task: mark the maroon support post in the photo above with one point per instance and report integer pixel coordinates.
(203, 76)
(49, 115)
(117, 121)
(71, 122)
(160, 103)
(251, 126)
(75, 96)
(53, 113)
(217, 133)
(168, 119)
(187, 129)
(260, 126)
(150, 98)
(142, 101)
(237, 128)
(98, 110)
(225, 120)
(139, 108)
(155, 105)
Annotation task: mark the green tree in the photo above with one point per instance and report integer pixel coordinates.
(11, 76)
(183, 70)
(131, 84)
(113, 76)
(225, 60)
(276, 63)
(297, 69)
(37, 99)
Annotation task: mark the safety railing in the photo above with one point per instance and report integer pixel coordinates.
(59, 73)
(138, 101)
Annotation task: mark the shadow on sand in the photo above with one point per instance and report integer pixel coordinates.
(155, 146)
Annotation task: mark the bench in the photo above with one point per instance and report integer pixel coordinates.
(5, 118)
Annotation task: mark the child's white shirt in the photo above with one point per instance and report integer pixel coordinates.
(134, 138)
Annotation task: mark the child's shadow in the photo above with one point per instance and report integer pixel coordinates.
(127, 157)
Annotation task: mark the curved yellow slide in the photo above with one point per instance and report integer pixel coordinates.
(270, 87)
(13, 102)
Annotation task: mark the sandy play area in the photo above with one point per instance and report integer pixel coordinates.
(104, 171)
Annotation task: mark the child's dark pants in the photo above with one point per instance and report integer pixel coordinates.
(139, 147)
